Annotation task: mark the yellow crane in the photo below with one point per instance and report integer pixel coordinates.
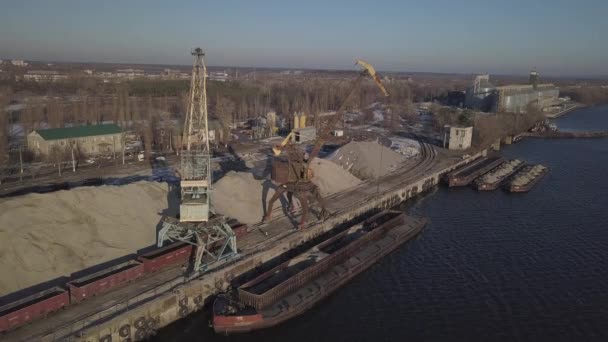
(299, 171)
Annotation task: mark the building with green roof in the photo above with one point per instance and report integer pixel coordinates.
(88, 140)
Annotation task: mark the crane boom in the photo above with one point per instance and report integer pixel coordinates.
(368, 70)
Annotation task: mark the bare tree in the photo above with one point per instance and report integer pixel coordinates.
(224, 108)
(4, 131)
(57, 156)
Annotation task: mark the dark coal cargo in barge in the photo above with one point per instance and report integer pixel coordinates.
(296, 285)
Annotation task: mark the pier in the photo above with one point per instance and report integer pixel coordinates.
(138, 310)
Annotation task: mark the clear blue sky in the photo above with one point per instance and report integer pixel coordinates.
(557, 37)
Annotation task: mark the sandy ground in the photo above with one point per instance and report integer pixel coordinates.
(367, 159)
(240, 195)
(331, 178)
(45, 236)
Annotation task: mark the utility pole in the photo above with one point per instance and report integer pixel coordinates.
(20, 164)
(122, 136)
(73, 160)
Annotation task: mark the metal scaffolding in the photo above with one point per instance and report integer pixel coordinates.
(214, 241)
(196, 158)
(213, 238)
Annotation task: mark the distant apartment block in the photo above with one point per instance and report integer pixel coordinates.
(44, 76)
(19, 62)
(130, 74)
(220, 76)
(89, 140)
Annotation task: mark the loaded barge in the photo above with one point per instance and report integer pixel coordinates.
(466, 174)
(294, 286)
(493, 179)
(526, 178)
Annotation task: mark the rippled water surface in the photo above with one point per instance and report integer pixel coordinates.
(489, 266)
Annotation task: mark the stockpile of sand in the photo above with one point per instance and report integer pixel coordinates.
(367, 159)
(45, 236)
(239, 195)
(331, 178)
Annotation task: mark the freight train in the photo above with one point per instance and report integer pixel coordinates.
(78, 289)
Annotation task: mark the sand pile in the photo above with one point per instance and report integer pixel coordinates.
(367, 159)
(331, 178)
(45, 236)
(239, 195)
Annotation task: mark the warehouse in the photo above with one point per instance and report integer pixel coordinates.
(484, 96)
(89, 140)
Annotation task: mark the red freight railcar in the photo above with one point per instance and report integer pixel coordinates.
(174, 254)
(29, 308)
(102, 281)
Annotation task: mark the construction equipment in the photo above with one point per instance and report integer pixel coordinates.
(278, 148)
(195, 168)
(212, 236)
(299, 172)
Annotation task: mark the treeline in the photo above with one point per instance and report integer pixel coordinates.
(592, 95)
(487, 128)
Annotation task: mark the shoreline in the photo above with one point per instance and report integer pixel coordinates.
(565, 111)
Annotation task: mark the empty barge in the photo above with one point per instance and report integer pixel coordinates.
(493, 179)
(526, 178)
(466, 174)
(295, 286)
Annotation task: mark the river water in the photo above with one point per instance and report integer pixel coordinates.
(490, 266)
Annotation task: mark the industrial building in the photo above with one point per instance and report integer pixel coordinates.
(89, 140)
(484, 96)
(44, 76)
(19, 63)
(457, 137)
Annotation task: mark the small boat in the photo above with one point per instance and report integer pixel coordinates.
(526, 178)
(292, 288)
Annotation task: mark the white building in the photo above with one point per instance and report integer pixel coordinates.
(220, 76)
(129, 73)
(44, 76)
(89, 140)
(457, 137)
(19, 62)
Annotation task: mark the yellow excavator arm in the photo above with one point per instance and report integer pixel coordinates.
(372, 72)
(278, 148)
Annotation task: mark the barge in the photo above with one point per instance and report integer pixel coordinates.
(465, 175)
(492, 180)
(526, 178)
(291, 288)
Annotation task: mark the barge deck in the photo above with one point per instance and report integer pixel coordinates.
(492, 180)
(465, 175)
(527, 178)
(311, 286)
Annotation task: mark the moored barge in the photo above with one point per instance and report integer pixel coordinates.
(493, 179)
(526, 178)
(292, 288)
(466, 174)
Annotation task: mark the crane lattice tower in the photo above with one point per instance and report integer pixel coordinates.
(196, 158)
